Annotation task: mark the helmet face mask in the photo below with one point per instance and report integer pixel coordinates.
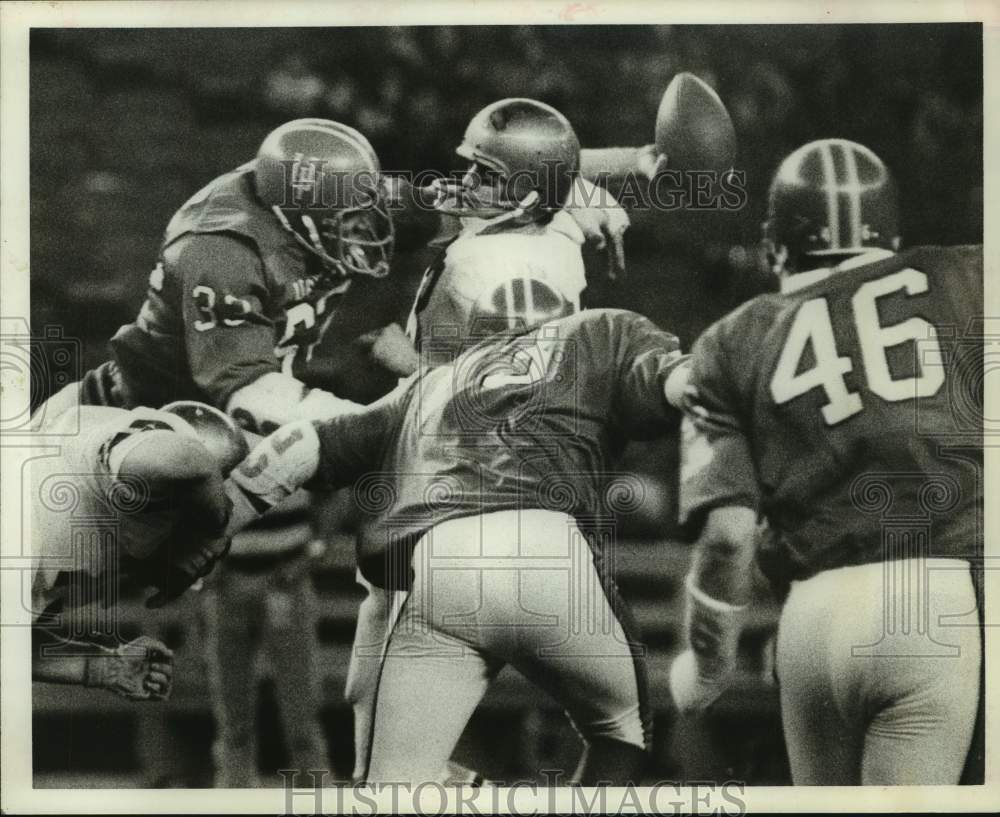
(361, 240)
(483, 191)
(322, 181)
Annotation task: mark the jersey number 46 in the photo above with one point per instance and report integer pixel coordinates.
(812, 324)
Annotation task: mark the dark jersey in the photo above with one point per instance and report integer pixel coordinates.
(532, 421)
(232, 298)
(848, 412)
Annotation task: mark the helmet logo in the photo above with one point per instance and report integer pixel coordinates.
(498, 119)
(303, 181)
(851, 187)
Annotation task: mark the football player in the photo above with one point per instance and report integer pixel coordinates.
(517, 255)
(512, 233)
(250, 270)
(138, 496)
(249, 274)
(482, 482)
(512, 229)
(515, 261)
(832, 410)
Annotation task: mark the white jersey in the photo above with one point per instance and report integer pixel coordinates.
(82, 514)
(531, 274)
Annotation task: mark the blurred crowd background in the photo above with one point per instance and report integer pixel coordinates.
(126, 124)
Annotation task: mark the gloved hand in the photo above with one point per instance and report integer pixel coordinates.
(141, 670)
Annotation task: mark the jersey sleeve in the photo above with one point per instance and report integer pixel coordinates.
(649, 357)
(228, 334)
(717, 465)
(353, 444)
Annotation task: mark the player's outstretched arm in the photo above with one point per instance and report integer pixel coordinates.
(141, 670)
(276, 468)
(276, 399)
(332, 453)
(718, 590)
(604, 164)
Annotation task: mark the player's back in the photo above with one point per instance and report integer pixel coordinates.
(533, 421)
(861, 394)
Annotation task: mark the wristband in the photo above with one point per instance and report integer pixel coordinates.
(278, 466)
(95, 669)
(713, 629)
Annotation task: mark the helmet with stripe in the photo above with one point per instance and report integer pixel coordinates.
(322, 179)
(830, 198)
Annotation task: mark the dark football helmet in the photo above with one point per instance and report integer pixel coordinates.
(524, 157)
(323, 181)
(215, 430)
(831, 197)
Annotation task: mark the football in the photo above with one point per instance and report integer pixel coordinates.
(693, 127)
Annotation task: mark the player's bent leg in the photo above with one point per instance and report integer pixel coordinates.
(926, 704)
(429, 685)
(592, 663)
(558, 619)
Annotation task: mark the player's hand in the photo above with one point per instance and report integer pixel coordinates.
(391, 349)
(603, 222)
(649, 161)
(141, 670)
(692, 688)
